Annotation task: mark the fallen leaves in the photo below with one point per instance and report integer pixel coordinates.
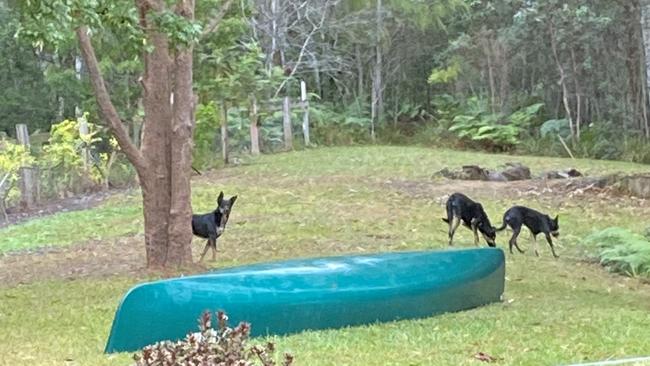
(482, 356)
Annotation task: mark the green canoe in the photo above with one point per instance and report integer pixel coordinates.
(296, 295)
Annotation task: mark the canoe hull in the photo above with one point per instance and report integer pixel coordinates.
(292, 296)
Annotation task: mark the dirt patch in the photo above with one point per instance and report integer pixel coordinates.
(125, 256)
(98, 259)
(16, 216)
(559, 191)
(435, 189)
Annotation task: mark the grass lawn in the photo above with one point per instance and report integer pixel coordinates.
(348, 200)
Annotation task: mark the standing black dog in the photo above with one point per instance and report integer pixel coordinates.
(211, 225)
(535, 221)
(462, 208)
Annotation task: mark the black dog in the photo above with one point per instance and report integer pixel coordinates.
(211, 225)
(535, 221)
(461, 208)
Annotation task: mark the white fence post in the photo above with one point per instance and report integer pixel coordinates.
(305, 116)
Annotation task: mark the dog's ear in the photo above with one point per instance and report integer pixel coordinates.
(556, 218)
(232, 200)
(220, 198)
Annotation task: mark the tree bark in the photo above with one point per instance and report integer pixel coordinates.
(359, 63)
(645, 30)
(562, 82)
(163, 163)
(377, 87)
(183, 103)
(156, 180)
(577, 93)
(224, 132)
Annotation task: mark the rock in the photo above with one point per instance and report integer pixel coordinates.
(497, 177)
(636, 185)
(561, 174)
(516, 171)
(474, 172)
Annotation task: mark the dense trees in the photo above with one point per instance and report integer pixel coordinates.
(584, 61)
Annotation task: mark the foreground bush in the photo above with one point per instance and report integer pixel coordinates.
(223, 346)
(621, 251)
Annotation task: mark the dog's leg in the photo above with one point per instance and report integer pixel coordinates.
(214, 250)
(550, 242)
(205, 250)
(519, 249)
(513, 240)
(535, 244)
(453, 225)
(474, 227)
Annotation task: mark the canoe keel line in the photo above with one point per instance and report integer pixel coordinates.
(310, 294)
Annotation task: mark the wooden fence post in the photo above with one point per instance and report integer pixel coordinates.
(83, 131)
(224, 131)
(286, 124)
(255, 132)
(305, 116)
(28, 179)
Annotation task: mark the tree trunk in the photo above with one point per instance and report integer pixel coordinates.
(645, 30)
(183, 103)
(255, 134)
(359, 63)
(487, 49)
(377, 87)
(577, 93)
(565, 92)
(224, 131)
(164, 161)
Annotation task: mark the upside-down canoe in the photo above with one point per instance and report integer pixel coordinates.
(292, 296)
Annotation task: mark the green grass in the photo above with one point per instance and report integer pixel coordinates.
(344, 200)
(115, 218)
(300, 179)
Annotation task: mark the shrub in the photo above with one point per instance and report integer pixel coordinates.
(12, 157)
(62, 162)
(494, 131)
(221, 346)
(330, 126)
(620, 250)
(206, 132)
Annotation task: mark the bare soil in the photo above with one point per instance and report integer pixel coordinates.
(125, 256)
(17, 215)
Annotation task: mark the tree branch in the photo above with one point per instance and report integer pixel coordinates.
(315, 27)
(213, 25)
(106, 107)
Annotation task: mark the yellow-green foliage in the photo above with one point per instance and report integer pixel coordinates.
(445, 75)
(12, 157)
(63, 155)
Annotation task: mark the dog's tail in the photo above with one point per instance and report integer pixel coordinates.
(445, 220)
(503, 226)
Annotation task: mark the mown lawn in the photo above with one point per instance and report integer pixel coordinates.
(362, 199)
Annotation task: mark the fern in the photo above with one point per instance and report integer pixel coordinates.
(621, 251)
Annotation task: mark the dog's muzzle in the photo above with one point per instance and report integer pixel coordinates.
(219, 231)
(555, 234)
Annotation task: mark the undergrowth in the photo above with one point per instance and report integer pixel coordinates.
(621, 250)
(211, 346)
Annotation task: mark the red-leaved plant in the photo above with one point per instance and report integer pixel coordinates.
(222, 346)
